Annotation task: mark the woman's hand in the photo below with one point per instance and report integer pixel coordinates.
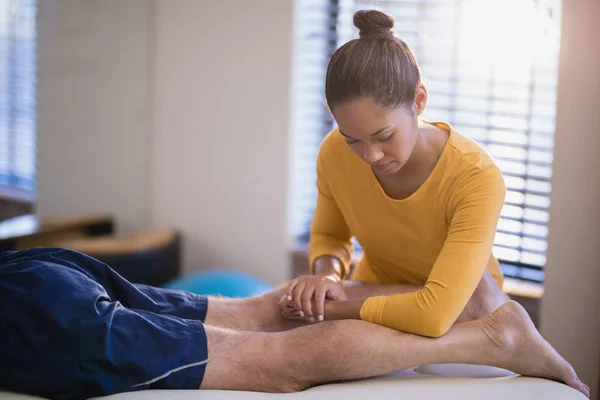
(288, 311)
(306, 295)
(334, 310)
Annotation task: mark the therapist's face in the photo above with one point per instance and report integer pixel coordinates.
(382, 137)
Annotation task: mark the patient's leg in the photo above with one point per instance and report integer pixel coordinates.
(333, 351)
(260, 313)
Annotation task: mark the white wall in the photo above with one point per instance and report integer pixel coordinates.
(221, 131)
(93, 108)
(171, 113)
(570, 317)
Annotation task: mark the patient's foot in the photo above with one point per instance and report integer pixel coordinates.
(519, 347)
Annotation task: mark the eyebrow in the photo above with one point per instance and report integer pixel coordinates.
(372, 134)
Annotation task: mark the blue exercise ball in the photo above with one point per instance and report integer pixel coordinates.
(221, 282)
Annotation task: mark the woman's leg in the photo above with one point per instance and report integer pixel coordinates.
(333, 351)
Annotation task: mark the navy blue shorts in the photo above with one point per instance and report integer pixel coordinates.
(72, 328)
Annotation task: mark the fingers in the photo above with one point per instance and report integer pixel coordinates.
(288, 311)
(320, 293)
(297, 297)
(291, 287)
(291, 310)
(307, 302)
(307, 296)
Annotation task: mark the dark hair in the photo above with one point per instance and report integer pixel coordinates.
(378, 65)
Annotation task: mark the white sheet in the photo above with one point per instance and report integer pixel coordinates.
(450, 382)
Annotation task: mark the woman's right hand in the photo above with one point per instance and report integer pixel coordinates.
(307, 294)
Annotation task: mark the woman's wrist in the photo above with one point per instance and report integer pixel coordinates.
(328, 266)
(338, 310)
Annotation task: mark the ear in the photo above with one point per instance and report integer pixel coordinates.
(420, 98)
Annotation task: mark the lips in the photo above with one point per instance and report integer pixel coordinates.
(382, 167)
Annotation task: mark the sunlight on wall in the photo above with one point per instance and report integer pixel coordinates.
(493, 34)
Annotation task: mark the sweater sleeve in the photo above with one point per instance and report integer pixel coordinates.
(330, 235)
(431, 311)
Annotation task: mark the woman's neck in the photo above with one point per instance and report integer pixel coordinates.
(430, 144)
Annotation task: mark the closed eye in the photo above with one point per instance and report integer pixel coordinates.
(387, 139)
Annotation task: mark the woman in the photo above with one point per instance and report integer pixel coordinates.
(422, 199)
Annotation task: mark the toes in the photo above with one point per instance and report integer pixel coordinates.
(580, 386)
(587, 390)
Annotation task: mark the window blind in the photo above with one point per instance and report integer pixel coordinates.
(491, 69)
(315, 40)
(18, 94)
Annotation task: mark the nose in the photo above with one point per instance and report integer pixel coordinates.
(372, 154)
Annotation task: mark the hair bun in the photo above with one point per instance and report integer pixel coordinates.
(374, 24)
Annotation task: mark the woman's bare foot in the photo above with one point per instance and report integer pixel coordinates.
(520, 348)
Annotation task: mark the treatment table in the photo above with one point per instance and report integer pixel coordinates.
(443, 382)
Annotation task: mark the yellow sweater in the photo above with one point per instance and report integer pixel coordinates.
(440, 237)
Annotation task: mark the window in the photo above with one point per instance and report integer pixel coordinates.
(494, 84)
(18, 94)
